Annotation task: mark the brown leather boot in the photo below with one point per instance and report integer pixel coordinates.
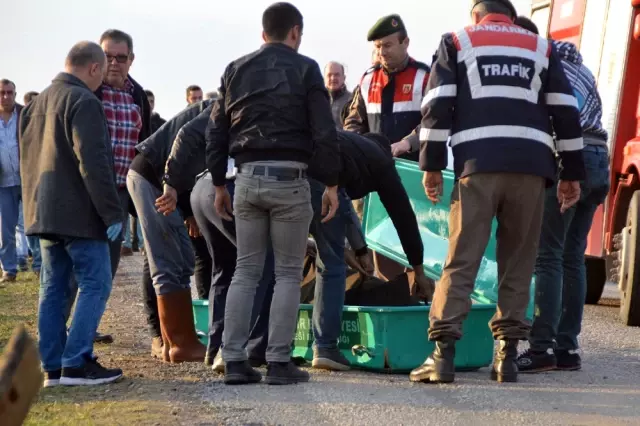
(165, 349)
(176, 318)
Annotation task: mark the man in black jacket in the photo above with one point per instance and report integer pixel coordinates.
(183, 162)
(67, 173)
(367, 166)
(281, 116)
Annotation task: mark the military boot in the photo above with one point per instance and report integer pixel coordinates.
(505, 366)
(439, 366)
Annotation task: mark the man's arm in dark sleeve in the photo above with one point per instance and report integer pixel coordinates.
(189, 143)
(217, 139)
(356, 119)
(563, 109)
(395, 200)
(323, 128)
(438, 107)
(184, 204)
(92, 147)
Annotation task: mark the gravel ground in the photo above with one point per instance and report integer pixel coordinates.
(605, 391)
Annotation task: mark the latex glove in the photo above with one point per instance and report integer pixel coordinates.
(114, 231)
(422, 286)
(366, 261)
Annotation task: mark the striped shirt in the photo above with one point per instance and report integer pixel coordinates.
(491, 92)
(584, 89)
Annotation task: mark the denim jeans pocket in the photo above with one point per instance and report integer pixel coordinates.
(596, 185)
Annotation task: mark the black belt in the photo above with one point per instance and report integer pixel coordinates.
(279, 173)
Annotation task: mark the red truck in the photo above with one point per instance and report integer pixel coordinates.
(607, 32)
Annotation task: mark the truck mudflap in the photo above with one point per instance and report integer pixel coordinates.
(381, 235)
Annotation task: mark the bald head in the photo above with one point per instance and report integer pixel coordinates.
(83, 54)
(334, 76)
(86, 60)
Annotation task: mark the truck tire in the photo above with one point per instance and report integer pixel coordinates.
(629, 276)
(596, 279)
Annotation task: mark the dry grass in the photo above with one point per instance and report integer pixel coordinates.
(152, 393)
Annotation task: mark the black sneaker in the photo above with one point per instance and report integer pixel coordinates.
(536, 362)
(285, 373)
(106, 339)
(91, 373)
(52, 378)
(330, 359)
(240, 373)
(568, 360)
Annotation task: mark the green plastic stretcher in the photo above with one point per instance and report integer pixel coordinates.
(382, 237)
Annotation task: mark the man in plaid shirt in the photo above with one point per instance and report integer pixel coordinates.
(128, 116)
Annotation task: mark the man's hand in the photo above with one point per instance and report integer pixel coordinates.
(223, 204)
(366, 261)
(422, 286)
(568, 194)
(400, 148)
(192, 227)
(330, 203)
(432, 182)
(167, 202)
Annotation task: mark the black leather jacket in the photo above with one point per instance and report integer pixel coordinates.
(156, 149)
(273, 106)
(187, 157)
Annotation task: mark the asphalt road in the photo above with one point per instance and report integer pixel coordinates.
(605, 392)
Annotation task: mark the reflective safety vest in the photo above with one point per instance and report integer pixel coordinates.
(392, 100)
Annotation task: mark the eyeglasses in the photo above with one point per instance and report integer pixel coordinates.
(7, 92)
(121, 59)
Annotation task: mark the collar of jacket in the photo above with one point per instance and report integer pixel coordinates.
(140, 99)
(278, 45)
(408, 61)
(337, 93)
(65, 77)
(496, 17)
(137, 89)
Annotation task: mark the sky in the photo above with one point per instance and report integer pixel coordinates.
(179, 43)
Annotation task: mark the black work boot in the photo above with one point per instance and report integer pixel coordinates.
(439, 366)
(505, 366)
(240, 373)
(285, 373)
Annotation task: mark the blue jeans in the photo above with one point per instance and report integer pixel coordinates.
(331, 267)
(560, 270)
(220, 236)
(88, 260)
(22, 246)
(127, 233)
(34, 246)
(9, 213)
(167, 244)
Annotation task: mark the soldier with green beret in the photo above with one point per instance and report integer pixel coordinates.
(390, 92)
(385, 26)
